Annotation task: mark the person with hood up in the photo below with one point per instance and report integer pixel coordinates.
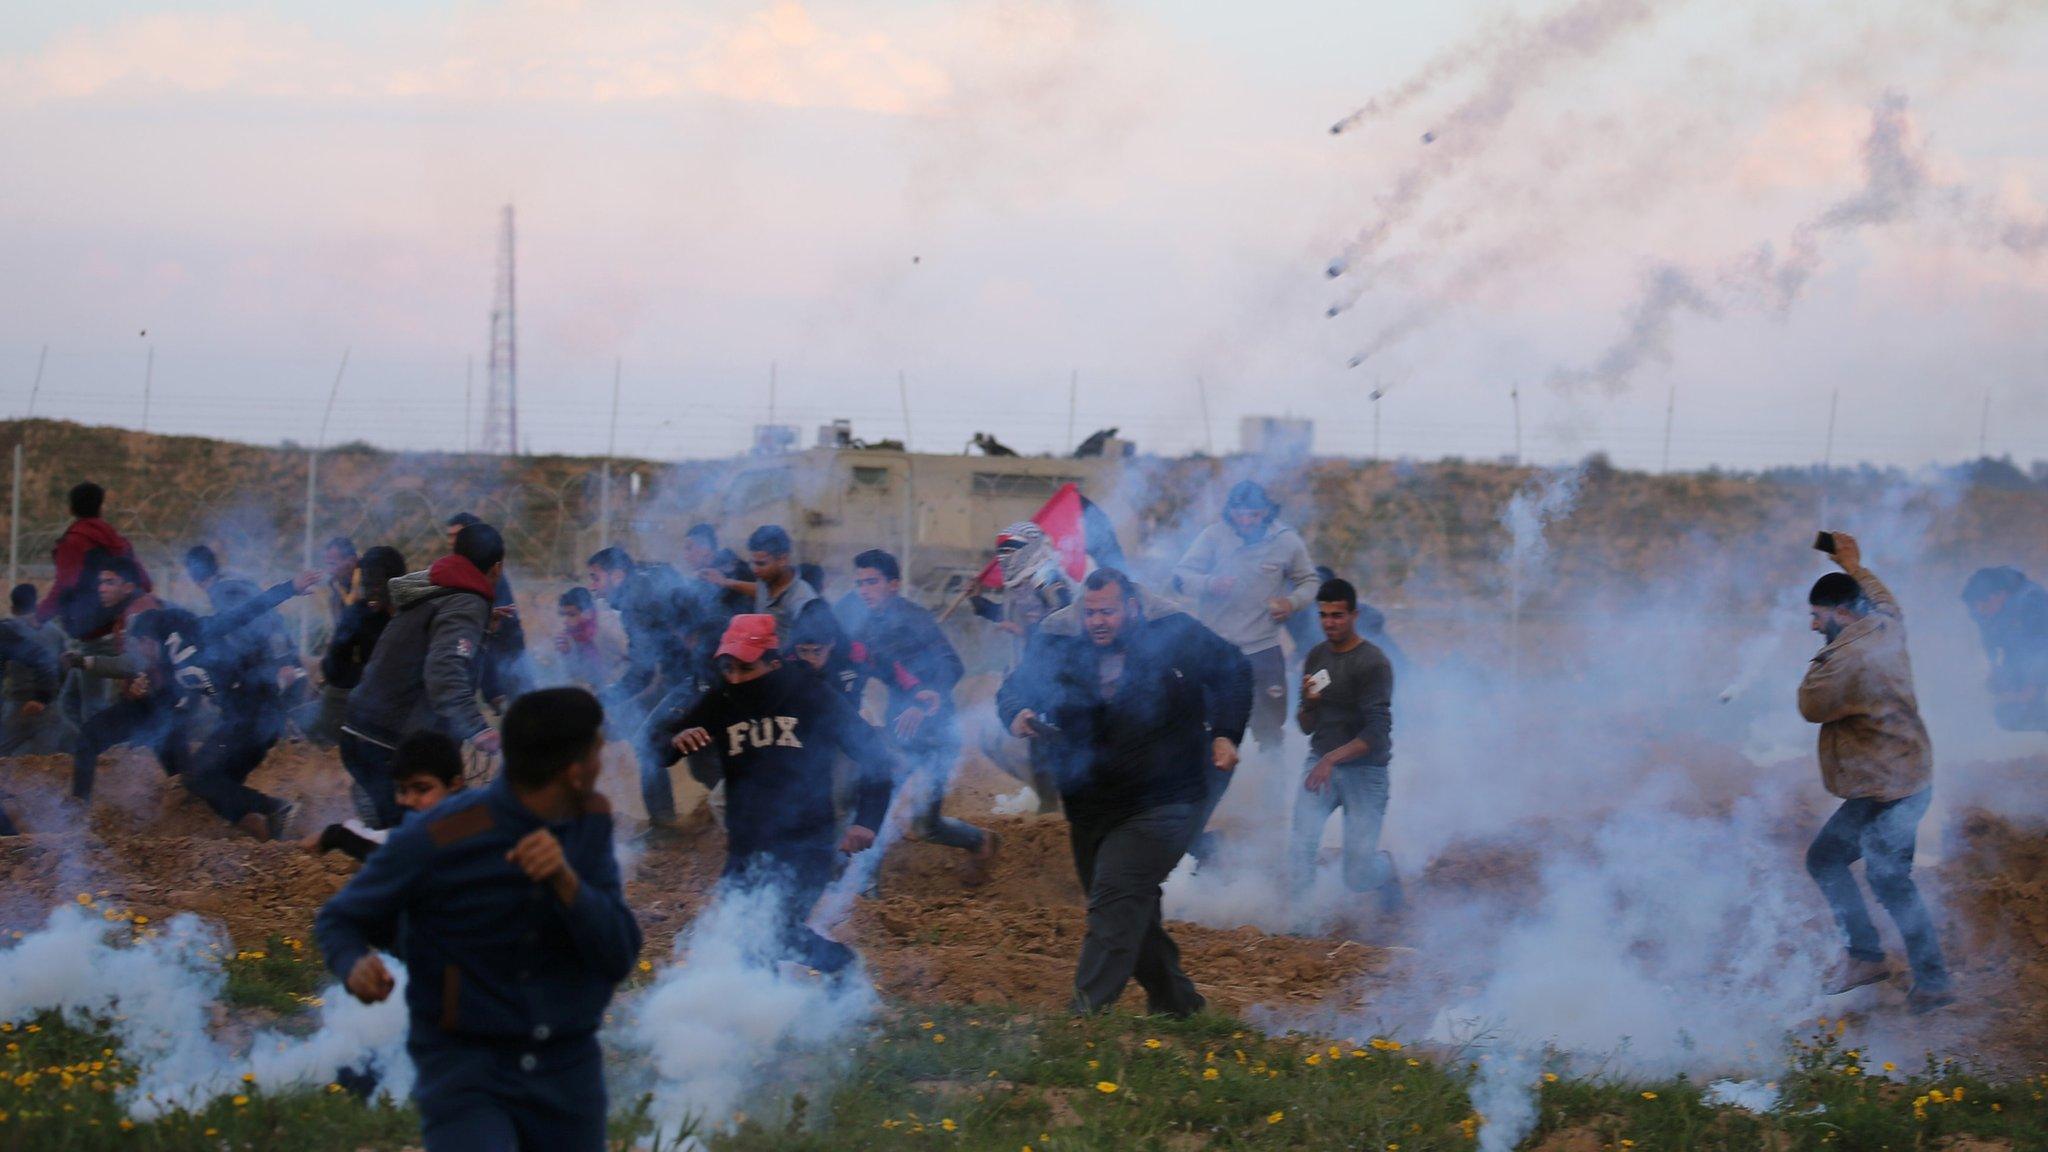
(185, 658)
(2011, 612)
(1876, 756)
(1247, 576)
(1134, 704)
(422, 674)
(356, 630)
(771, 731)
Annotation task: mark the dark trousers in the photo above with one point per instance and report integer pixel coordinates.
(796, 876)
(500, 1097)
(220, 772)
(1269, 698)
(39, 735)
(1122, 863)
(369, 764)
(1881, 834)
(927, 823)
(149, 722)
(1206, 845)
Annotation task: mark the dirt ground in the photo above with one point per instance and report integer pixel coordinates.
(151, 848)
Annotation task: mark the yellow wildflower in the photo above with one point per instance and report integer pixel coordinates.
(1550, 1077)
(1649, 1095)
(1152, 1044)
(1276, 1117)
(1106, 1087)
(948, 1124)
(1210, 1074)
(240, 1101)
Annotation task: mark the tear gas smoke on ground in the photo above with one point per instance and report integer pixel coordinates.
(1664, 921)
(155, 991)
(726, 1020)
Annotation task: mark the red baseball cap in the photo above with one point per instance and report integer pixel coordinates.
(748, 637)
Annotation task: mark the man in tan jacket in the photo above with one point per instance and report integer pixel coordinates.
(1875, 755)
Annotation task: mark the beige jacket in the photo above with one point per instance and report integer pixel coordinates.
(1859, 689)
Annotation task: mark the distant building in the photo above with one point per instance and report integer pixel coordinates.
(1283, 436)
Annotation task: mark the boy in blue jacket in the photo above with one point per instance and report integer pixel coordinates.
(506, 907)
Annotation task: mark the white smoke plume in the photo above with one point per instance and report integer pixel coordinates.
(155, 994)
(1897, 187)
(726, 1019)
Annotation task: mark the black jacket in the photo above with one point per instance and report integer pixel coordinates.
(666, 626)
(901, 645)
(1182, 685)
(355, 637)
(422, 673)
(774, 740)
(222, 657)
(2016, 639)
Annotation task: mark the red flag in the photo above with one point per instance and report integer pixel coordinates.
(1062, 519)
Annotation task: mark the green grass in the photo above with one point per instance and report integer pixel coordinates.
(985, 1080)
(282, 976)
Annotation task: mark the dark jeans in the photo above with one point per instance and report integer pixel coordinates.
(1269, 698)
(507, 1097)
(369, 764)
(40, 735)
(797, 875)
(220, 772)
(149, 722)
(1121, 865)
(927, 823)
(1206, 845)
(1881, 834)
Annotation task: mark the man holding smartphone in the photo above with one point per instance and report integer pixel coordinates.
(1347, 712)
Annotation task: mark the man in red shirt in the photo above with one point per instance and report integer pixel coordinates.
(86, 547)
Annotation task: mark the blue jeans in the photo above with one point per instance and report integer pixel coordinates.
(1881, 834)
(1361, 791)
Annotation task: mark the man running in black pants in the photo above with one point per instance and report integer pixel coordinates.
(904, 649)
(772, 731)
(1131, 714)
(422, 673)
(666, 633)
(185, 658)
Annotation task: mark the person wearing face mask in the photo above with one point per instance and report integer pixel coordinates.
(1876, 757)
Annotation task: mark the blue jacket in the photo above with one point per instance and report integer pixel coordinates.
(491, 955)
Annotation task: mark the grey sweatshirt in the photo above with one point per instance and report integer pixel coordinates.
(1274, 565)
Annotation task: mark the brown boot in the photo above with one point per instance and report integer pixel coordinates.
(981, 862)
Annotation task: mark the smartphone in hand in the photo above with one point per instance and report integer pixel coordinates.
(1824, 542)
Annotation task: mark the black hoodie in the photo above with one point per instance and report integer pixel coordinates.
(774, 737)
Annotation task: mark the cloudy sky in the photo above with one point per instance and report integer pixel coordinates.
(1755, 207)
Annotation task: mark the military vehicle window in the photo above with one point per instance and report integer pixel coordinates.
(1018, 484)
(871, 477)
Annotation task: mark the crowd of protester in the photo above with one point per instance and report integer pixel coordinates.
(811, 721)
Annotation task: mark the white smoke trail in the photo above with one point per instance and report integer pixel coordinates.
(155, 993)
(1897, 186)
(1571, 34)
(719, 1024)
(1504, 1093)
